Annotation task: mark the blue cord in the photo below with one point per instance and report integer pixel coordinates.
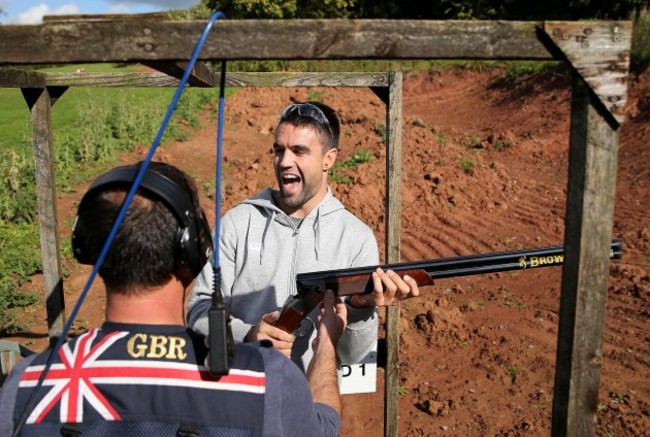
(217, 227)
(127, 203)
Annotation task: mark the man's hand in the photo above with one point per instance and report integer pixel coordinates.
(282, 341)
(389, 289)
(332, 320)
(321, 372)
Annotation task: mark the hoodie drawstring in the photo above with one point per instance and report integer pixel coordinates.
(317, 232)
(266, 228)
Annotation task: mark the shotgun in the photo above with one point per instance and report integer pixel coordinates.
(348, 282)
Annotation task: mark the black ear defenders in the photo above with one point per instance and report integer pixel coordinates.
(194, 243)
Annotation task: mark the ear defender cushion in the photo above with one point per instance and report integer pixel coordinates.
(194, 243)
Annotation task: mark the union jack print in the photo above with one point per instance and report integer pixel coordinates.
(75, 379)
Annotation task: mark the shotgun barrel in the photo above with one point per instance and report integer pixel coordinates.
(358, 280)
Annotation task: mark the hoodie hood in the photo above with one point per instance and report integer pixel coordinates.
(276, 217)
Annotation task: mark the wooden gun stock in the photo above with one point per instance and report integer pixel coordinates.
(348, 282)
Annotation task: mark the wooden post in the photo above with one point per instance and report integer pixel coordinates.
(393, 209)
(40, 101)
(589, 218)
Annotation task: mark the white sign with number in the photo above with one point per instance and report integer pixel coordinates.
(360, 377)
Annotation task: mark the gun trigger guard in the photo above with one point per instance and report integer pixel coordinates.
(302, 331)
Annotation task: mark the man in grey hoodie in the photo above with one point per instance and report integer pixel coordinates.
(300, 227)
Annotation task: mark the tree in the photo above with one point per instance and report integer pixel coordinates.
(282, 8)
(433, 10)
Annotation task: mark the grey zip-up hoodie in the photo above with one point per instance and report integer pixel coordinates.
(262, 250)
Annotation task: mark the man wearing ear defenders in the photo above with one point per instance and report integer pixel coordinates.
(142, 372)
(299, 227)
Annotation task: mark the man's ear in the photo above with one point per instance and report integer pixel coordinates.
(329, 159)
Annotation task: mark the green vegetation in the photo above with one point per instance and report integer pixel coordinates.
(360, 156)
(314, 96)
(513, 303)
(514, 372)
(418, 122)
(640, 56)
(90, 128)
(380, 129)
(413, 9)
(466, 165)
(19, 259)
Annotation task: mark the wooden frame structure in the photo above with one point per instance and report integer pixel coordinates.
(598, 51)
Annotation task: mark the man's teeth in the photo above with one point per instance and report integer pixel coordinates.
(290, 178)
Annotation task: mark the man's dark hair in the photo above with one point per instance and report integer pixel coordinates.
(318, 115)
(144, 251)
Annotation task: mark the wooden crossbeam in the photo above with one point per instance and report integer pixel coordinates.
(152, 39)
(16, 78)
(600, 53)
(200, 76)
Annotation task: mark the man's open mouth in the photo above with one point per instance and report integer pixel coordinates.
(289, 179)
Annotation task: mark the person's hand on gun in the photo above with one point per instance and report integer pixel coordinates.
(332, 320)
(264, 330)
(389, 289)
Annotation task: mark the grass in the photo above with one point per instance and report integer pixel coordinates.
(360, 156)
(15, 120)
(90, 127)
(466, 165)
(513, 372)
(142, 106)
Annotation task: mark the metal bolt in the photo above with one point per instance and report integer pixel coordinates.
(587, 31)
(147, 31)
(148, 47)
(614, 99)
(616, 38)
(556, 31)
(565, 36)
(585, 44)
(615, 28)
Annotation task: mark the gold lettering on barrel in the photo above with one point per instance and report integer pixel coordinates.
(536, 261)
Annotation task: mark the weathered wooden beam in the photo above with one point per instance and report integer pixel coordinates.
(589, 218)
(201, 75)
(600, 52)
(26, 78)
(393, 233)
(67, 18)
(333, 79)
(155, 40)
(111, 80)
(47, 217)
(15, 78)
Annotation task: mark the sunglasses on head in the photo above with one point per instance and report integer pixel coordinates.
(307, 110)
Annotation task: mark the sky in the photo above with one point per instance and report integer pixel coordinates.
(32, 11)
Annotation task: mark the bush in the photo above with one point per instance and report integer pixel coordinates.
(19, 261)
(17, 189)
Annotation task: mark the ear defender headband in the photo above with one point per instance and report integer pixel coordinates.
(193, 245)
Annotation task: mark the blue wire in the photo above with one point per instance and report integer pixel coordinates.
(215, 263)
(128, 200)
